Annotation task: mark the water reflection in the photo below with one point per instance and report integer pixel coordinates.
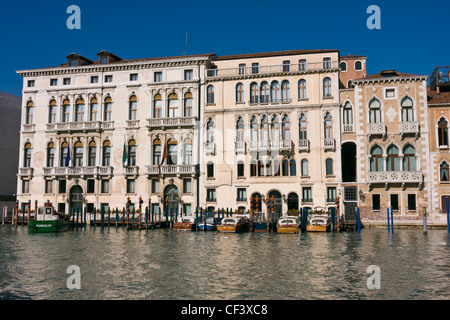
(163, 264)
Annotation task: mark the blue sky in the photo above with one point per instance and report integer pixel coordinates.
(412, 38)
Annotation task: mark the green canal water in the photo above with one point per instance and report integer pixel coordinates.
(164, 264)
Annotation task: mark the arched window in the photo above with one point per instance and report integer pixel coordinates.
(107, 116)
(269, 168)
(407, 110)
(188, 111)
(50, 155)
(64, 154)
(173, 106)
(304, 168)
(275, 94)
(409, 158)
(276, 167)
(79, 110)
(239, 92)
(286, 128)
(254, 92)
(106, 159)
(275, 129)
(52, 112)
(392, 160)
(260, 168)
(376, 159)
(210, 131)
(93, 110)
(264, 93)
(443, 132)
(253, 168)
(157, 106)
(172, 152)
(347, 116)
(65, 111)
(240, 130)
(92, 154)
(29, 112)
(358, 65)
(285, 91)
(302, 89)
(253, 129)
(187, 152)
(264, 132)
(27, 155)
(374, 111)
(343, 66)
(131, 153)
(133, 108)
(329, 167)
(285, 169)
(326, 87)
(328, 127)
(292, 168)
(303, 125)
(444, 171)
(157, 152)
(210, 94)
(78, 154)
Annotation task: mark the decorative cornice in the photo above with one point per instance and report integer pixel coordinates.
(389, 80)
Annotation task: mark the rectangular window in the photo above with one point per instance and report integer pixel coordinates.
(105, 185)
(158, 76)
(390, 93)
(133, 77)
(331, 194)
(286, 65)
(94, 79)
(444, 203)
(255, 67)
(104, 60)
(210, 194)
(240, 169)
(307, 196)
(188, 74)
(376, 205)
(242, 68)
(241, 194)
(394, 202)
(26, 186)
(73, 63)
(62, 186)
(108, 78)
(61, 207)
(210, 170)
(411, 202)
(90, 186)
(188, 209)
(155, 186)
(48, 186)
(66, 81)
(30, 83)
(187, 186)
(327, 63)
(130, 186)
(302, 65)
(53, 82)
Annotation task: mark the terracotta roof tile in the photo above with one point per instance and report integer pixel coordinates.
(273, 54)
(438, 98)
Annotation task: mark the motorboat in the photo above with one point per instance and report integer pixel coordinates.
(185, 223)
(319, 223)
(233, 224)
(288, 224)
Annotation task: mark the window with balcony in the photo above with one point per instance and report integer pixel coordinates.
(132, 113)
(392, 160)
(157, 106)
(328, 127)
(78, 154)
(302, 89)
(407, 110)
(65, 111)
(131, 153)
(253, 131)
(172, 111)
(27, 155)
(239, 92)
(255, 67)
(275, 129)
(444, 172)
(347, 117)
(210, 131)
(50, 155)
(409, 158)
(302, 65)
(285, 91)
(327, 88)
(79, 110)
(52, 112)
(286, 65)
(443, 132)
(376, 159)
(374, 111)
(241, 68)
(93, 110)
(64, 154)
(303, 126)
(106, 159)
(156, 152)
(264, 132)
(108, 109)
(188, 105)
(172, 152)
(210, 94)
(286, 128)
(187, 152)
(240, 131)
(92, 154)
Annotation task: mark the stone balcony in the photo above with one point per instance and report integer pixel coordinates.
(303, 145)
(210, 148)
(28, 128)
(78, 171)
(281, 145)
(347, 128)
(239, 147)
(378, 128)
(171, 170)
(163, 123)
(328, 144)
(409, 127)
(84, 126)
(401, 177)
(24, 172)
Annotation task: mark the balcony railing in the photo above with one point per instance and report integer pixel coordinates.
(25, 171)
(395, 177)
(88, 170)
(171, 169)
(347, 127)
(132, 124)
(210, 148)
(171, 122)
(303, 145)
(239, 146)
(80, 126)
(28, 128)
(258, 100)
(281, 145)
(409, 127)
(328, 144)
(376, 128)
(253, 146)
(279, 68)
(131, 170)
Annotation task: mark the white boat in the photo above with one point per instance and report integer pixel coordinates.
(184, 223)
(288, 224)
(232, 224)
(319, 223)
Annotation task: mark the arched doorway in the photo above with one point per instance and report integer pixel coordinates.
(292, 201)
(171, 198)
(277, 207)
(76, 199)
(349, 158)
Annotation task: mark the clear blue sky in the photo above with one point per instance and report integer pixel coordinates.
(413, 38)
